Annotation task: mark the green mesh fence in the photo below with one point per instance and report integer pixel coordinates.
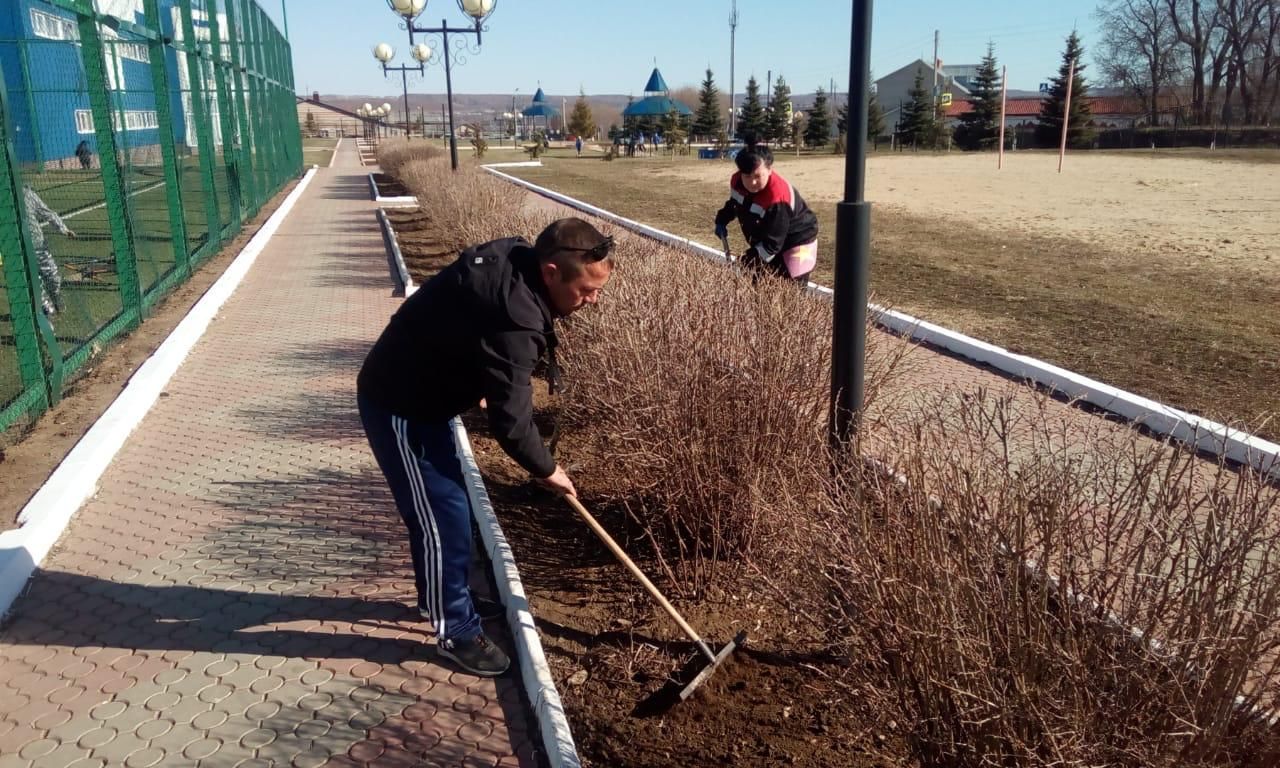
(133, 148)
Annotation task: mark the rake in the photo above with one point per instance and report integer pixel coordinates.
(708, 660)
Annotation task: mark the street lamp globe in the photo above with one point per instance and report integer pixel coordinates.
(368, 107)
(386, 108)
(383, 52)
(407, 8)
(477, 9)
(421, 52)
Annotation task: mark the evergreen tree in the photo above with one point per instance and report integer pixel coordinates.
(751, 123)
(707, 122)
(979, 128)
(675, 130)
(581, 122)
(313, 128)
(1049, 125)
(917, 122)
(818, 131)
(875, 116)
(780, 112)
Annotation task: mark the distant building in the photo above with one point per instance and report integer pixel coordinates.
(43, 71)
(893, 90)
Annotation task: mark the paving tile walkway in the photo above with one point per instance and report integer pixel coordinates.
(238, 591)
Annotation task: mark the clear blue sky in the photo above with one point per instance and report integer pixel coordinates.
(610, 47)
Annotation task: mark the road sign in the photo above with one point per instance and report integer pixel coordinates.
(945, 100)
(1044, 87)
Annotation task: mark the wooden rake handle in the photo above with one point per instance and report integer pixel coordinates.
(639, 574)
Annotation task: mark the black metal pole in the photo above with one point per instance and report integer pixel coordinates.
(853, 245)
(448, 89)
(404, 80)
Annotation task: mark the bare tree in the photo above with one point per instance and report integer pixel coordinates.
(1194, 23)
(1139, 50)
(1250, 31)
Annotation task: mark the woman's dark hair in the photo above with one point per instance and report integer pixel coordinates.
(750, 158)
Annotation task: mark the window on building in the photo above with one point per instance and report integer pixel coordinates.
(134, 120)
(52, 27)
(135, 51)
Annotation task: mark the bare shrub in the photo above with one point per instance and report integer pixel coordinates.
(710, 391)
(1031, 595)
(394, 153)
(469, 206)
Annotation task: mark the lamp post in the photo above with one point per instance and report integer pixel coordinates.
(478, 11)
(420, 52)
(853, 246)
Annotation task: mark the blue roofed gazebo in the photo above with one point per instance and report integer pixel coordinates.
(657, 101)
(541, 108)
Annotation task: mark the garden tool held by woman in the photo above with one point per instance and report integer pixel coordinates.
(712, 660)
(728, 252)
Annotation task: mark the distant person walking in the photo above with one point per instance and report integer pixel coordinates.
(84, 154)
(577, 144)
(39, 214)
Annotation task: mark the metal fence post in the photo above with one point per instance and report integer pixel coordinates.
(236, 38)
(164, 118)
(226, 113)
(92, 53)
(200, 115)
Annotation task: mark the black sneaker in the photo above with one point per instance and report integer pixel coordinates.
(486, 609)
(476, 655)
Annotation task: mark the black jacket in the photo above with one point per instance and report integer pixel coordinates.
(476, 329)
(773, 220)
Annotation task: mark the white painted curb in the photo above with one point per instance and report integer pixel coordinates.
(1203, 434)
(392, 200)
(334, 157)
(402, 271)
(46, 516)
(535, 673)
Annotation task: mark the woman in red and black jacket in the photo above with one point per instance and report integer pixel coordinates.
(779, 227)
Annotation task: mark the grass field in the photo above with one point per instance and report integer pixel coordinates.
(318, 151)
(1155, 272)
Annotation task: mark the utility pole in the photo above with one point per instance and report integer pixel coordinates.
(935, 67)
(733, 28)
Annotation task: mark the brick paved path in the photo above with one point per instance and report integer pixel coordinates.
(238, 592)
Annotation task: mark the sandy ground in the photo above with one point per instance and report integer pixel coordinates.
(1184, 209)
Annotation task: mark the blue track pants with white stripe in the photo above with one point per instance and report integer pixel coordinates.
(420, 462)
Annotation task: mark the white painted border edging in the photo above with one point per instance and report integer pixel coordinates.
(1188, 428)
(334, 157)
(535, 673)
(393, 200)
(557, 739)
(389, 236)
(75, 480)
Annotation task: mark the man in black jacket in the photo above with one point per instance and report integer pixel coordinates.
(475, 330)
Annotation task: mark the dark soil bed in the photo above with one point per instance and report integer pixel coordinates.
(611, 649)
(773, 704)
(389, 186)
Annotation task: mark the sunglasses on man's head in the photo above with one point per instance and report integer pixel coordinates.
(595, 252)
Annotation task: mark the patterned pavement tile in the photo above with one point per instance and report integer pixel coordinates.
(237, 593)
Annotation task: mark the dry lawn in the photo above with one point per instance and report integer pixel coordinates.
(1155, 272)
